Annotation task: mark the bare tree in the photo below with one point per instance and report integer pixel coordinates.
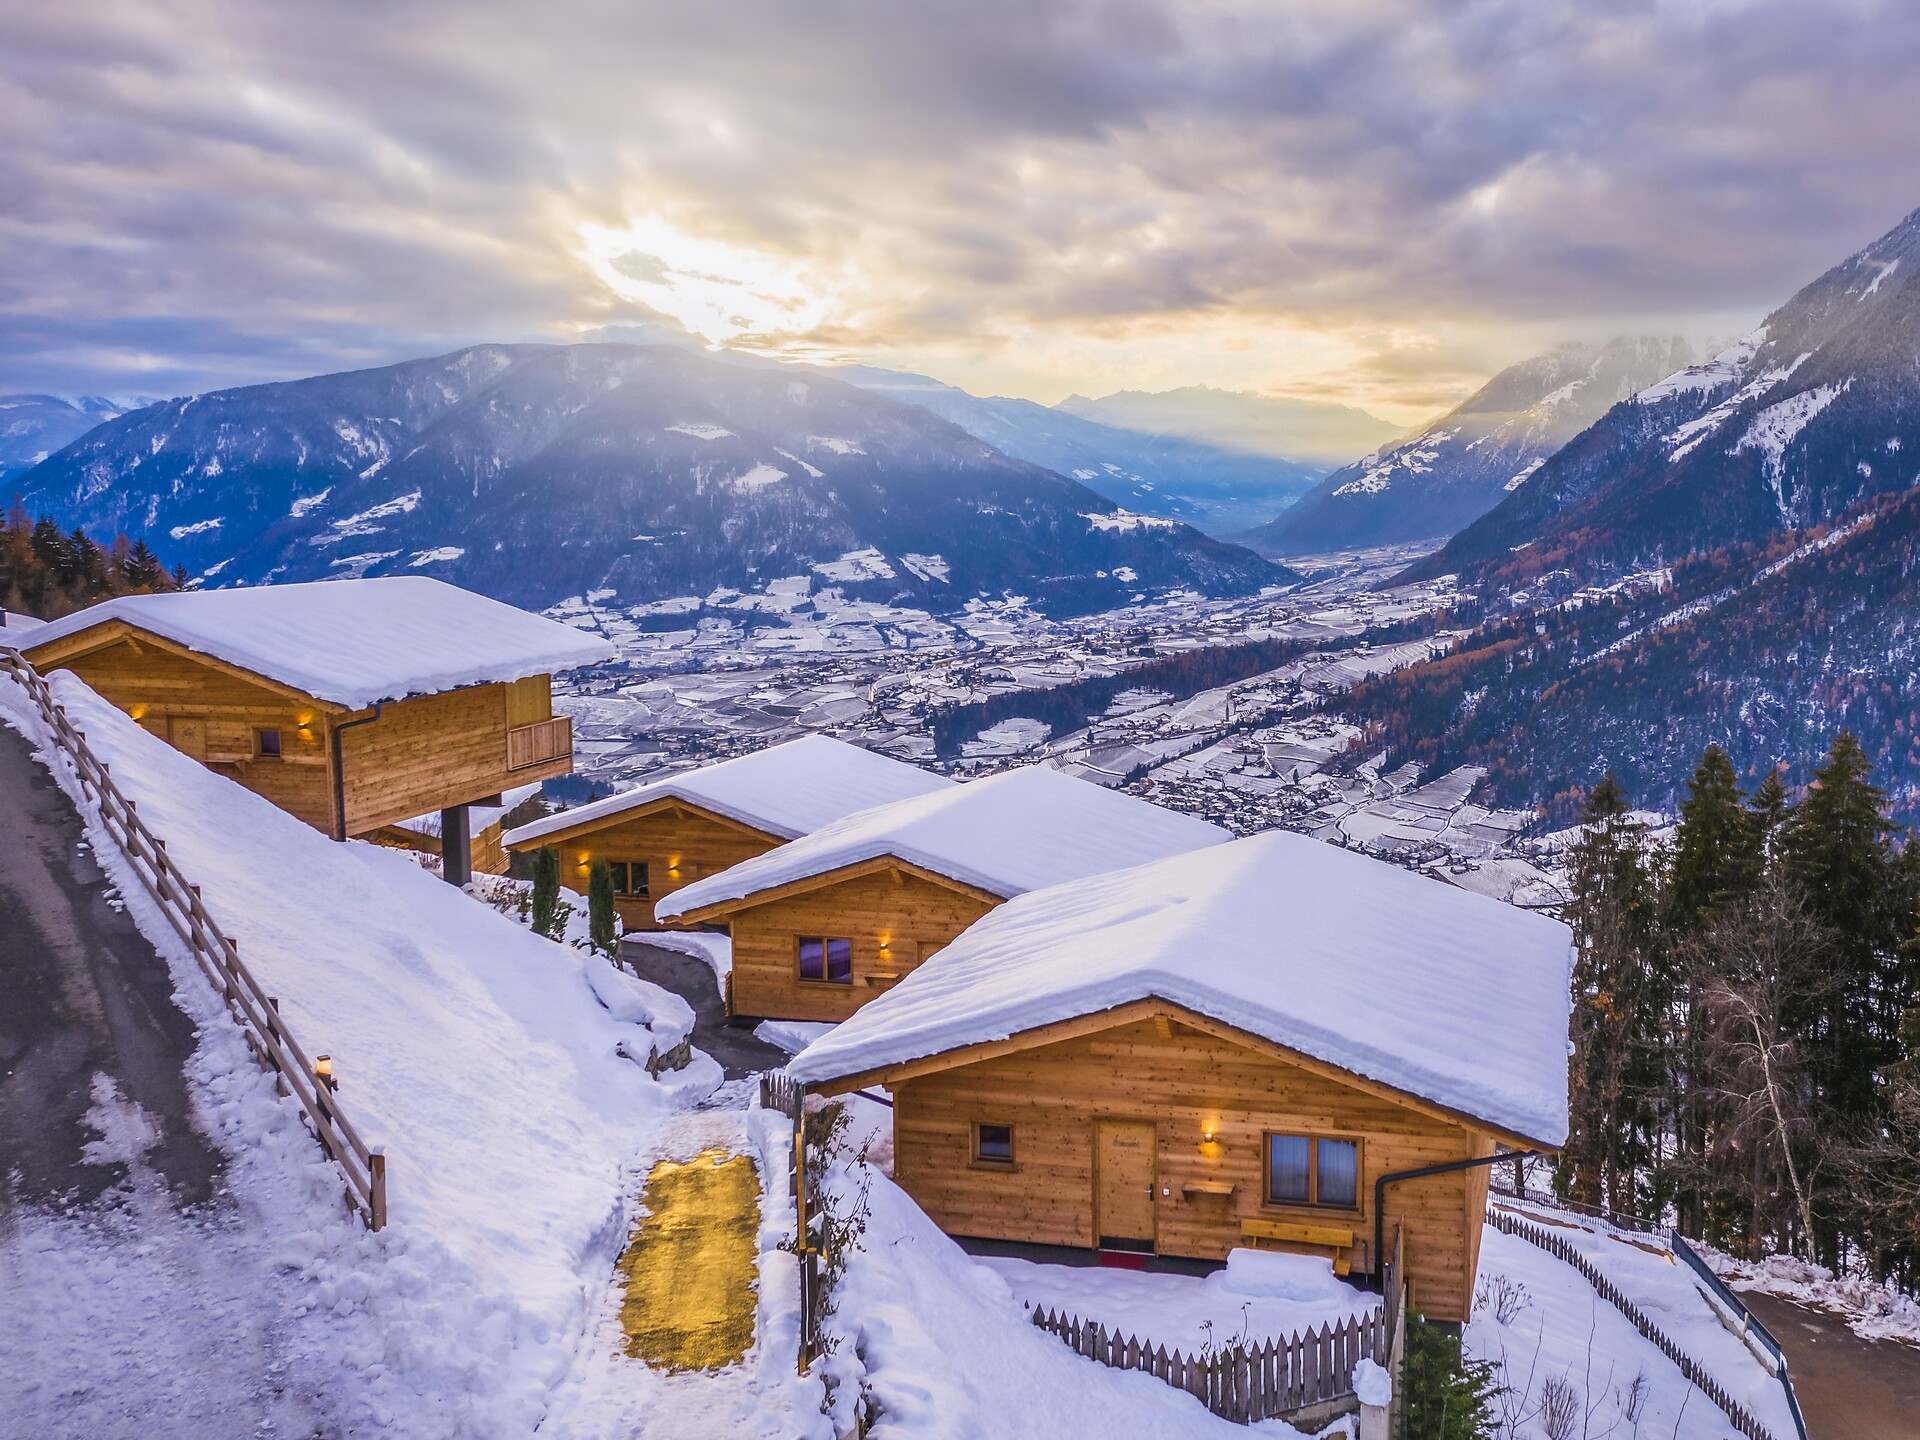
(1757, 970)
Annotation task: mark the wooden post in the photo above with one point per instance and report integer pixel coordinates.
(377, 1168)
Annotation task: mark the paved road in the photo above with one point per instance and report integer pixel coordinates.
(82, 993)
(691, 978)
(1849, 1388)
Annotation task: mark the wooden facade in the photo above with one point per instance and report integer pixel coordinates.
(1148, 1127)
(893, 914)
(672, 840)
(425, 753)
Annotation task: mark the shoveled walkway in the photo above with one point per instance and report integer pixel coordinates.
(691, 978)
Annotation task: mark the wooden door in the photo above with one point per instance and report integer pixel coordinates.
(1123, 1184)
(188, 734)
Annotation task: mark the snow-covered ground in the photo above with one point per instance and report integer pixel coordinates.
(1547, 1330)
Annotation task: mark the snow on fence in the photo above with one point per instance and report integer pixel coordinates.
(1750, 1326)
(1243, 1382)
(1743, 1419)
(257, 1012)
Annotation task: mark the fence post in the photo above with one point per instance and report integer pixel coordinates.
(377, 1202)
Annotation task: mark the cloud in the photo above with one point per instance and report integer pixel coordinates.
(1366, 199)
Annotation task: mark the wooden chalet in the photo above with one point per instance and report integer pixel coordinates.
(668, 833)
(826, 922)
(1235, 1047)
(353, 704)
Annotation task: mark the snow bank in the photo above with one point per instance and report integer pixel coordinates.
(716, 950)
(354, 641)
(1872, 1311)
(1007, 834)
(667, 1018)
(1430, 989)
(473, 1051)
(785, 790)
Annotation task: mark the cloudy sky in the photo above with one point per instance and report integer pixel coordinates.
(1364, 200)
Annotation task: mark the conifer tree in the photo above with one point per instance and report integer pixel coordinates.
(1769, 809)
(603, 927)
(1622, 1000)
(545, 916)
(1716, 850)
(1837, 853)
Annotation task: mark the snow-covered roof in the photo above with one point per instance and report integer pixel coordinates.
(785, 790)
(1008, 834)
(1386, 974)
(353, 642)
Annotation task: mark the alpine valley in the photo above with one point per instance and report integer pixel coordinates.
(536, 472)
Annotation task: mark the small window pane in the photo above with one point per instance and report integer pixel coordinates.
(269, 742)
(840, 961)
(813, 964)
(619, 868)
(994, 1142)
(637, 878)
(1287, 1169)
(1339, 1165)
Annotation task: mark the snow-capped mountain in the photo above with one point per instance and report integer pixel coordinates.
(1219, 490)
(1454, 470)
(1815, 410)
(537, 472)
(1310, 431)
(32, 427)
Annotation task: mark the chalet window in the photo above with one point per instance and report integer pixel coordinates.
(826, 959)
(992, 1144)
(1313, 1170)
(629, 877)
(266, 744)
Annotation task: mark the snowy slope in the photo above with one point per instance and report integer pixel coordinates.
(1815, 410)
(32, 427)
(354, 641)
(473, 1051)
(786, 790)
(1456, 469)
(1275, 934)
(1007, 834)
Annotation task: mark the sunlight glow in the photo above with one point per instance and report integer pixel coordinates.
(724, 293)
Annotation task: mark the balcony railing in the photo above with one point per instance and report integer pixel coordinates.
(540, 743)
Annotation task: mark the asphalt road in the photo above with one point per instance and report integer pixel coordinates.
(1849, 1388)
(82, 993)
(691, 978)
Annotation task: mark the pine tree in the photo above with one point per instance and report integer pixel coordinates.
(1444, 1395)
(1836, 852)
(1717, 848)
(546, 891)
(1769, 809)
(603, 925)
(1622, 1003)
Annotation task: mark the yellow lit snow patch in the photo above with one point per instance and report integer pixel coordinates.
(691, 1267)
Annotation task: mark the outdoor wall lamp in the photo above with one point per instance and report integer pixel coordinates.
(323, 1071)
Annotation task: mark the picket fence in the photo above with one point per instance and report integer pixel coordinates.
(1743, 1419)
(257, 1012)
(1244, 1383)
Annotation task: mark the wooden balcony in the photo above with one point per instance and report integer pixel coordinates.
(541, 743)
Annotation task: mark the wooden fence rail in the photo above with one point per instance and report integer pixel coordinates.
(1743, 1419)
(257, 1012)
(783, 1094)
(1245, 1382)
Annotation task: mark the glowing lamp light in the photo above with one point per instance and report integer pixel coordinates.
(323, 1071)
(138, 712)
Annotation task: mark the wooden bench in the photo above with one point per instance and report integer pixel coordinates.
(1338, 1242)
